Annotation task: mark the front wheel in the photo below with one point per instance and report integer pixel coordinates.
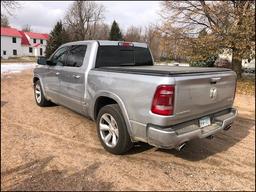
(112, 130)
(39, 95)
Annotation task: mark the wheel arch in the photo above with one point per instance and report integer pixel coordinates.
(105, 98)
(38, 78)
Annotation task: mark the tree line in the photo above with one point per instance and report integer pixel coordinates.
(191, 31)
(84, 20)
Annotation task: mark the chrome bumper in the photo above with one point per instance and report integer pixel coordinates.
(173, 136)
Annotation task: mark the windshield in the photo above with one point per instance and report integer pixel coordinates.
(113, 56)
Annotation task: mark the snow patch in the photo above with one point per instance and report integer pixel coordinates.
(16, 67)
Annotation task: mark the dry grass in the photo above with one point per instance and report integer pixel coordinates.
(19, 60)
(55, 149)
(246, 85)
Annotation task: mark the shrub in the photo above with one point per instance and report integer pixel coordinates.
(204, 63)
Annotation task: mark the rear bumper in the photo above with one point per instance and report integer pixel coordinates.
(171, 137)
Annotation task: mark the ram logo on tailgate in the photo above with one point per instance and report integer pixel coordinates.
(213, 93)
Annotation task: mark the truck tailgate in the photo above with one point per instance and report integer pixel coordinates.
(203, 94)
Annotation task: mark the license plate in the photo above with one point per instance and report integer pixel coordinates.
(205, 121)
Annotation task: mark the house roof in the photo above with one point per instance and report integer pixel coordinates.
(37, 35)
(11, 32)
(24, 39)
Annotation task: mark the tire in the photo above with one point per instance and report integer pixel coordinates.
(116, 128)
(42, 101)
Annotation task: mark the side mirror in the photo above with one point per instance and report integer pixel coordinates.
(41, 61)
(49, 62)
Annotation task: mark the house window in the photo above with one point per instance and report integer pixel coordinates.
(30, 49)
(14, 39)
(42, 41)
(4, 52)
(14, 51)
(41, 51)
(34, 40)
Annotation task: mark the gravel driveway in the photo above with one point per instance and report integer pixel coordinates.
(54, 148)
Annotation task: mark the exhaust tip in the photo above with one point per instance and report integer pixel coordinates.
(180, 147)
(210, 137)
(227, 127)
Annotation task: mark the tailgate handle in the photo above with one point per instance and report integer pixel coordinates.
(215, 79)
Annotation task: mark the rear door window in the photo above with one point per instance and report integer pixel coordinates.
(76, 56)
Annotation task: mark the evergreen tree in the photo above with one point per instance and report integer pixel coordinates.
(57, 37)
(115, 32)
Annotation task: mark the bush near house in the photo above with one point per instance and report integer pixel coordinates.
(209, 62)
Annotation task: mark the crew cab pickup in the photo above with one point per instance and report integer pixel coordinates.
(132, 99)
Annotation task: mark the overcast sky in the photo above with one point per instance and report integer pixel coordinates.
(42, 15)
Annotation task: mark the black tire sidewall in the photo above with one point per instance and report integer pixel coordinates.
(124, 142)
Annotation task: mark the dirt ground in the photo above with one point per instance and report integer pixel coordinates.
(54, 148)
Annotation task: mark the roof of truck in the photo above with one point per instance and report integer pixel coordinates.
(107, 43)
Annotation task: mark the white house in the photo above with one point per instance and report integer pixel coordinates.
(245, 63)
(15, 43)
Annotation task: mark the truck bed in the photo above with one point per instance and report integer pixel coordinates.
(161, 70)
(193, 89)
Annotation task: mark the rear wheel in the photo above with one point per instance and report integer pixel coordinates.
(39, 95)
(112, 130)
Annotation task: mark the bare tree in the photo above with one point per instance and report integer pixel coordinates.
(229, 25)
(26, 28)
(133, 34)
(9, 6)
(4, 21)
(153, 38)
(82, 18)
(101, 31)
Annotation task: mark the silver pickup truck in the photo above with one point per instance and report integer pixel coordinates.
(118, 85)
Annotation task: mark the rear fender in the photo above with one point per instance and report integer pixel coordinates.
(119, 102)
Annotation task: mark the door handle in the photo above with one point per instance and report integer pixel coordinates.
(76, 76)
(57, 73)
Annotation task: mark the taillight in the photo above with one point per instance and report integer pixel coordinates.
(163, 101)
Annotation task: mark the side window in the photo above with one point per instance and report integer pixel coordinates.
(59, 57)
(76, 56)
